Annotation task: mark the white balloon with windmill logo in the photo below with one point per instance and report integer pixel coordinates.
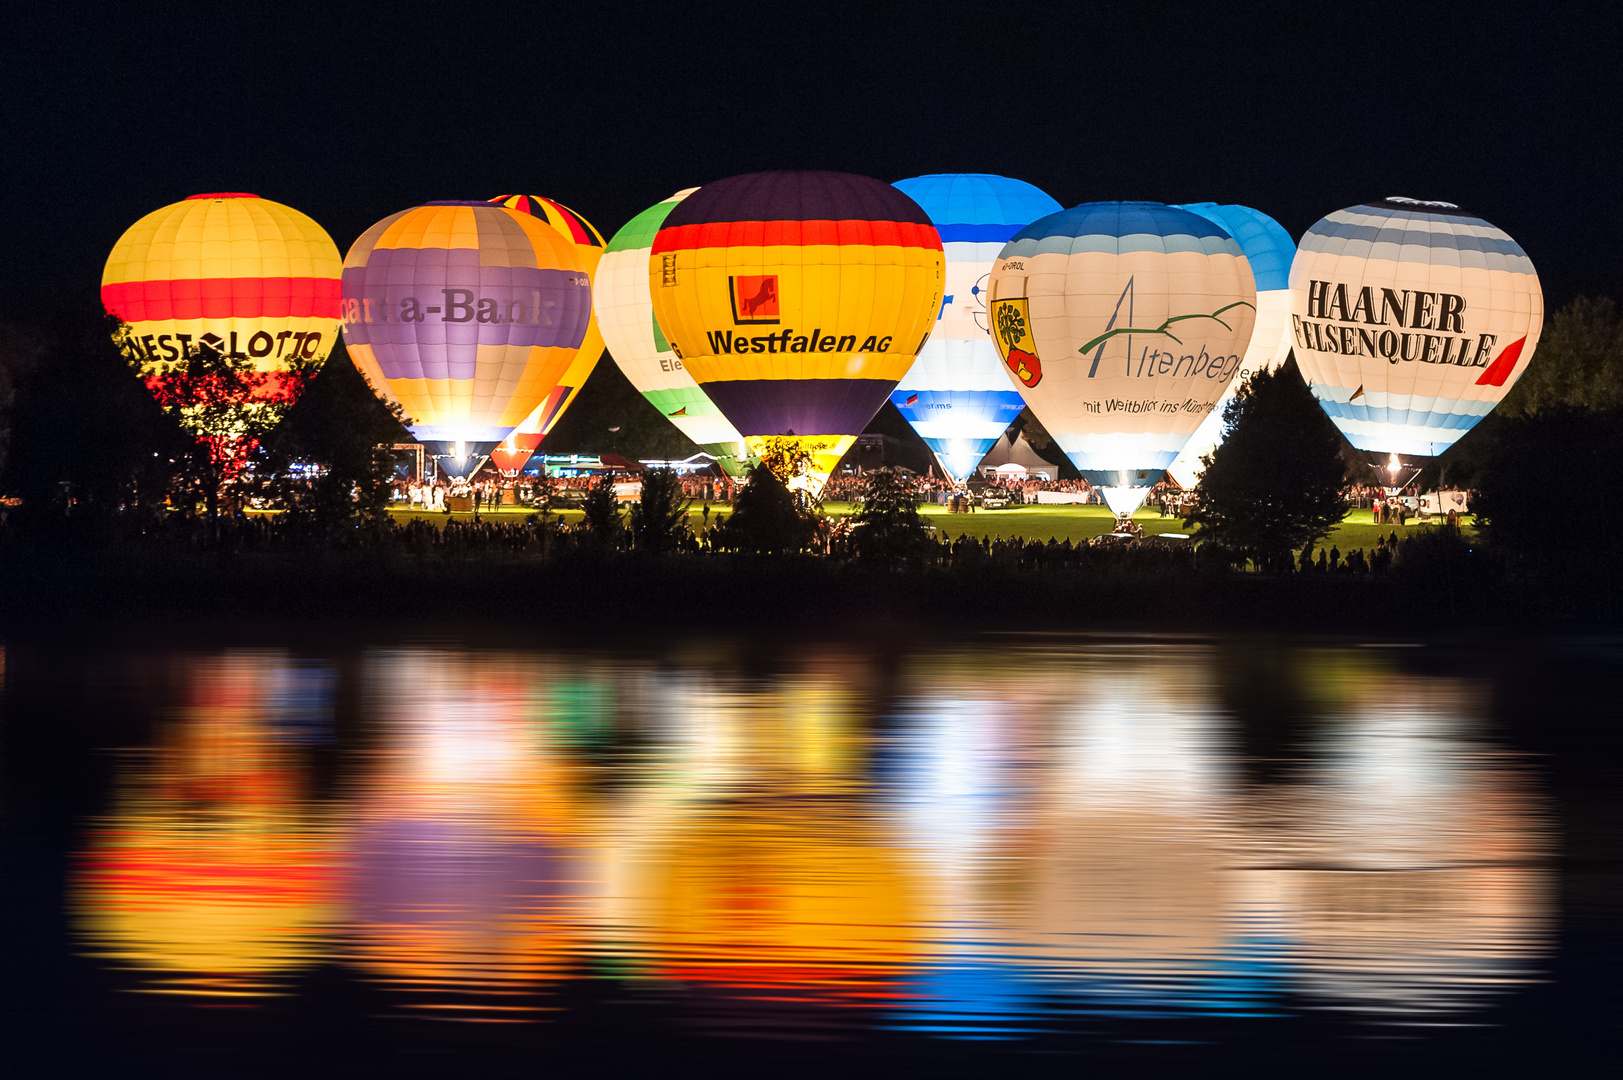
(1121, 324)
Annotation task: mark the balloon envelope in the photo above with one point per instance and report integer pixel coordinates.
(625, 310)
(245, 275)
(797, 300)
(467, 314)
(1411, 320)
(516, 449)
(955, 395)
(1269, 249)
(1122, 324)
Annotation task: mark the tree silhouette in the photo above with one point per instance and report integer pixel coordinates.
(767, 517)
(659, 520)
(888, 527)
(1276, 481)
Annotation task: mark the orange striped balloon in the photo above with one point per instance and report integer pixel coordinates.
(244, 275)
(516, 449)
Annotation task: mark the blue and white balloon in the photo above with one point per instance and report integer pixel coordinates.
(956, 395)
(1269, 249)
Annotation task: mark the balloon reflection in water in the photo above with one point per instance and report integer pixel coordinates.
(214, 873)
(1070, 811)
(463, 884)
(1421, 883)
(1084, 843)
(748, 865)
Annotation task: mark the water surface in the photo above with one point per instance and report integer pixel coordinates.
(1020, 850)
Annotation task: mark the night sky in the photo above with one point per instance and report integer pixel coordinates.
(351, 113)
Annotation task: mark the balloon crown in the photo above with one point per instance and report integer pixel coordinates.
(458, 202)
(1421, 202)
(224, 195)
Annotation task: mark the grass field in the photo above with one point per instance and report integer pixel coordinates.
(1073, 523)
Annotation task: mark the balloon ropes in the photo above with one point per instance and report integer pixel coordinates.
(467, 314)
(251, 279)
(1269, 249)
(1411, 320)
(955, 395)
(625, 310)
(797, 300)
(1121, 324)
(516, 449)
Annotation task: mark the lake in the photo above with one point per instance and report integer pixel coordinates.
(458, 854)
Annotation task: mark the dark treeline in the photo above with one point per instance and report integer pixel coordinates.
(105, 512)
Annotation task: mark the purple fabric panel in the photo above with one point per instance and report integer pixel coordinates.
(801, 406)
(796, 196)
(458, 305)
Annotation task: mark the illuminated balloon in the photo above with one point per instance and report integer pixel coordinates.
(516, 449)
(1122, 323)
(467, 314)
(797, 300)
(1411, 320)
(625, 310)
(955, 395)
(1269, 249)
(244, 275)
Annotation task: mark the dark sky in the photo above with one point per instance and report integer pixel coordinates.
(350, 113)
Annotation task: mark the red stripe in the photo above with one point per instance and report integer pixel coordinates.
(576, 233)
(223, 298)
(719, 234)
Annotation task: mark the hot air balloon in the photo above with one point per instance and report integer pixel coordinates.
(1122, 323)
(468, 314)
(1269, 249)
(516, 449)
(246, 276)
(955, 395)
(797, 300)
(1411, 320)
(625, 310)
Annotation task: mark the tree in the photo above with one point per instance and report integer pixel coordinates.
(602, 521)
(86, 434)
(1547, 500)
(346, 432)
(659, 520)
(1276, 481)
(20, 351)
(889, 527)
(786, 459)
(229, 407)
(1578, 364)
(767, 518)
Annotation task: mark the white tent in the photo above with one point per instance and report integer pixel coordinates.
(1019, 453)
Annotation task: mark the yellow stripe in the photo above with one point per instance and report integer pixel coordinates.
(227, 238)
(854, 289)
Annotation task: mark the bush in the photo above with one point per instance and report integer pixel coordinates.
(767, 518)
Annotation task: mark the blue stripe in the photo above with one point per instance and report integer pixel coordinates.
(976, 234)
(1267, 246)
(1398, 233)
(1123, 219)
(1410, 418)
(1061, 244)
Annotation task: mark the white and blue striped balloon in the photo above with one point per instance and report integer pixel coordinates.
(956, 395)
(1411, 320)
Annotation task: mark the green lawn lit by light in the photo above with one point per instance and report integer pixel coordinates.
(1073, 523)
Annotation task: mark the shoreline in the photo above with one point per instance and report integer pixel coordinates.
(629, 593)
